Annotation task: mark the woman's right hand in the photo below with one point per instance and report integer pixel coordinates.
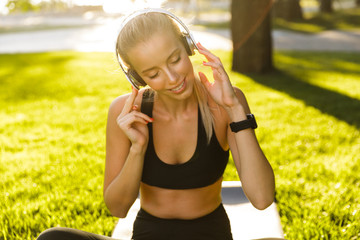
(134, 123)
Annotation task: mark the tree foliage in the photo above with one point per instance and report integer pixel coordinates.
(21, 6)
(28, 5)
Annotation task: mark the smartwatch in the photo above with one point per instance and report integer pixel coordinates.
(250, 122)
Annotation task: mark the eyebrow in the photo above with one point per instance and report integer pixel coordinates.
(173, 52)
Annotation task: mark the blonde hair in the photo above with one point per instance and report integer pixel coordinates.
(139, 30)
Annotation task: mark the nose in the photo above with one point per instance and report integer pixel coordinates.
(172, 75)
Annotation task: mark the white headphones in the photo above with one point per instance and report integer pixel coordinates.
(188, 40)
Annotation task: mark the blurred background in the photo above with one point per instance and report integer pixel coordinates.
(92, 25)
(297, 61)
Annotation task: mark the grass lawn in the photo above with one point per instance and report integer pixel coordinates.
(53, 110)
(345, 19)
(313, 22)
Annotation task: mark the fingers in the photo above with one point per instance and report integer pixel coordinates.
(213, 61)
(208, 55)
(215, 66)
(204, 80)
(127, 121)
(130, 114)
(129, 102)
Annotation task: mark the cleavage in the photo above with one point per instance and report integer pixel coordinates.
(175, 143)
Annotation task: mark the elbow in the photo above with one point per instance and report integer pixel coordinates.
(118, 211)
(117, 208)
(262, 205)
(265, 197)
(263, 201)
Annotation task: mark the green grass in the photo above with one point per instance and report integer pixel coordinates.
(53, 109)
(345, 19)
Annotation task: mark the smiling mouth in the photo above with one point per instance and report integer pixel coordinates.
(178, 88)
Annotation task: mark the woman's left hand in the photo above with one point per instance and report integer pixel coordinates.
(221, 89)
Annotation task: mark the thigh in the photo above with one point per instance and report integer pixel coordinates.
(61, 233)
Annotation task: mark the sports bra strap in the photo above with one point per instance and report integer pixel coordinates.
(147, 102)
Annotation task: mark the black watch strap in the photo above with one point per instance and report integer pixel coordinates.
(250, 122)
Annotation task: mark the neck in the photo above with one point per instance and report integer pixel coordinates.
(175, 108)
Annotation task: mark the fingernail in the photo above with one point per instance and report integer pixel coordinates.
(151, 119)
(204, 62)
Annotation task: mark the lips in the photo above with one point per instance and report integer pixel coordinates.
(179, 88)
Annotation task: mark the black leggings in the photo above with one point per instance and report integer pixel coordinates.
(214, 226)
(61, 233)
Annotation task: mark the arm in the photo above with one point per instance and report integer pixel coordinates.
(254, 170)
(126, 142)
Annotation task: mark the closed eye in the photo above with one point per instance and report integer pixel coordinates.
(177, 60)
(154, 76)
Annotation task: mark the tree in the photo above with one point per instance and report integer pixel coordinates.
(326, 6)
(20, 6)
(29, 5)
(287, 9)
(251, 36)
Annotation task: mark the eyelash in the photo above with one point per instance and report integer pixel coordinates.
(154, 76)
(177, 60)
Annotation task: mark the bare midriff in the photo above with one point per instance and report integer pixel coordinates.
(179, 203)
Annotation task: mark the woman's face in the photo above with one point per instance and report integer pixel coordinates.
(163, 63)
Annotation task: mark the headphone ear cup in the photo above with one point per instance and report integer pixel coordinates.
(136, 79)
(188, 44)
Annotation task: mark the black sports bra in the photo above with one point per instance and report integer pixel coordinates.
(204, 168)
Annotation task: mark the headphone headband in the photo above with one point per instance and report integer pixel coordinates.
(189, 38)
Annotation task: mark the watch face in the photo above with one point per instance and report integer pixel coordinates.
(251, 117)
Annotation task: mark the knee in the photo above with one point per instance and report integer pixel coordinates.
(55, 233)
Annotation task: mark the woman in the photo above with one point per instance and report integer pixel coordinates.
(171, 141)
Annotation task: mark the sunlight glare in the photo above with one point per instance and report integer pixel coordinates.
(3, 9)
(128, 6)
(86, 3)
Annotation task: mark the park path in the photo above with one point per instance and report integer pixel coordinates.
(99, 33)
